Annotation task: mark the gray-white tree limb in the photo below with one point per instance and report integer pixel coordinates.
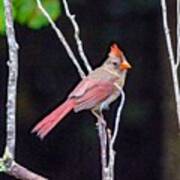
(174, 63)
(7, 162)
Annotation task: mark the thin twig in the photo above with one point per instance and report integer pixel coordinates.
(171, 59)
(167, 32)
(117, 119)
(178, 34)
(62, 39)
(114, 136)
(76, 36)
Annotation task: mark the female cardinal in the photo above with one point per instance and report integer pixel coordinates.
(95, 92)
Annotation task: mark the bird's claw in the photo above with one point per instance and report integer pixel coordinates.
(101, 121)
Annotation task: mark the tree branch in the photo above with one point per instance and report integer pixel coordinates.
(76, 36)
(103, 145)
(20, 172)
(114, 136)
(167, 32)
(173, 63)
(178, 34)
(12, 80)
(62, 39)
(7, 163)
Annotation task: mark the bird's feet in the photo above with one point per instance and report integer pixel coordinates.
(101, 121)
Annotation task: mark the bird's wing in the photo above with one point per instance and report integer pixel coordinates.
(82, 87)
(92, 80)
(94, 95)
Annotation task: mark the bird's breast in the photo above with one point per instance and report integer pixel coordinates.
(105, 104)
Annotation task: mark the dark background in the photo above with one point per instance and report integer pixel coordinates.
(47, 75)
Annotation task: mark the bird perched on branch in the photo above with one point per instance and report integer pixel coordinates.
(95, 92)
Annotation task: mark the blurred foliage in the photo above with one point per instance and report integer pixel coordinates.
(27, 13)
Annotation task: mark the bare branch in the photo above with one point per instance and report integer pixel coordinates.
(62, 39)
(104, 135)
(113, 138)
(103, 145)
(12, 80)
(10, 167)
(76, 36)
(167, 32)
(7, 163)
(172, 59)
(19, 172)
(178, 34)
(118, 118)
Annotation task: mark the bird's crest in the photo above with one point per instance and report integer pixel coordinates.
(115, 51)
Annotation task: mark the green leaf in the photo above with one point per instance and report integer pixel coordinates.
(27, 13)
(2, 21)
(24, 10)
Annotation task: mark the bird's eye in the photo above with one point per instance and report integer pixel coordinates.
(115, 63)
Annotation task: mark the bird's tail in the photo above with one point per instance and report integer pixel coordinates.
(51, 120)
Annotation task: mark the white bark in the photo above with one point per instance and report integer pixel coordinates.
(112, 140)
(12, 80)
(7, 163)
(76, 36)
(178, 34)
(173, 63)
(62, 40)
(103, 145)
(20, 172)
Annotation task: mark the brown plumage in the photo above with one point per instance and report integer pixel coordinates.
(99, 89)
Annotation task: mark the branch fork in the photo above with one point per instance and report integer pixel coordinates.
(107, 168)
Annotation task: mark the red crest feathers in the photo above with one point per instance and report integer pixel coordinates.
(115, 50)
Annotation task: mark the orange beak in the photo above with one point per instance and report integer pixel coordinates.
(125, 65)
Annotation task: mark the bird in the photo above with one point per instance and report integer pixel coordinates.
(95, 92)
